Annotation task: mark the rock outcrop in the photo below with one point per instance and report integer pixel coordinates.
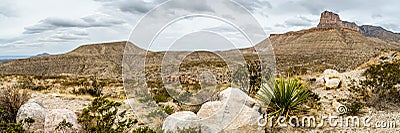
(55, 116)
(34, 110)
(330, 19)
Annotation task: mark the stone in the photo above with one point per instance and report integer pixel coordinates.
(180, 120)
(332, 83)
(330, 74)
(34, 110)
(55, 116)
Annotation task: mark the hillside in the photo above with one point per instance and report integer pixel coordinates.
(103, 60)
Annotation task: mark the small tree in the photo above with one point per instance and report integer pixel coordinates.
(103, 116)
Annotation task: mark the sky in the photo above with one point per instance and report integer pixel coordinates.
(30, 27)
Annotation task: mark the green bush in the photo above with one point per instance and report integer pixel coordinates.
(284, 95)
(354, 108)
(103, 116)
(382, 80)
(12, 127)
(63, 126)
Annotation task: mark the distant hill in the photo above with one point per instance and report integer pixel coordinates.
(103, 60)
(42, 54)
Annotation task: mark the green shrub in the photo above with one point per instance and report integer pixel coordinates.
(284, 96)
(103, 116)
(11, 127)
(354, 108)
(168, 109)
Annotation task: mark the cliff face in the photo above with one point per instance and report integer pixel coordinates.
(330, 19)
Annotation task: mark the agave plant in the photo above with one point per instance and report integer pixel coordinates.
(283, 95)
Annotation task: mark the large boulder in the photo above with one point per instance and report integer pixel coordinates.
(180, 120)
(234, 110)
(55, 116)
(34, 110)
(332, 79)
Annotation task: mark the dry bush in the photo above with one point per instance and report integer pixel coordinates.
(11, 99)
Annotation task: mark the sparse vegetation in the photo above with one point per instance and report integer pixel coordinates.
(103, 116)
(384, 79)
(11, 99)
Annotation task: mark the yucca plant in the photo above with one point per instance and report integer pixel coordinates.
(283, 96)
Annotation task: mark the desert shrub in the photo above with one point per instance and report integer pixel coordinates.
(313, 100)
(63, 126)
(284, 96)
(168, 109)
(241, 78)
(354, 108)
(11, 127)
(39, 88)
(160, 95)
(11, 99)
(93, 88)
(383, 80)
(103, 116)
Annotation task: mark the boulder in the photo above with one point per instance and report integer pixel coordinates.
(331, 78)
(332, 83)
(34, 110)
(180, 120)
(55, 116)
(234, 110)
(330, 74)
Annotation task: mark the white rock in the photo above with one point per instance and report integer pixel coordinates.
(180, 120)
(55, 116)
(330, 74)
(332, 83)
(35, 111)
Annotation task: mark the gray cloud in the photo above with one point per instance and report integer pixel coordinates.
(299, 21)
(141, 7)
(7, 10)
(254, 5)
(86, 22)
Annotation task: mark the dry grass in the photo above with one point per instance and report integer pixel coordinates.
(11, 99)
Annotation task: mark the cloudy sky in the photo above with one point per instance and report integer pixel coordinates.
(30, 27)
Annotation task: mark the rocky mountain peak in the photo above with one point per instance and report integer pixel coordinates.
(330, 19)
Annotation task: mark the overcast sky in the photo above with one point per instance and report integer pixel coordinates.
(30, 27)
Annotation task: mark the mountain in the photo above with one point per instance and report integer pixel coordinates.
(42, 54)
(334, 44)
(381, 33)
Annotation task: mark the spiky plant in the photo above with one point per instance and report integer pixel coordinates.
(283, 96)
